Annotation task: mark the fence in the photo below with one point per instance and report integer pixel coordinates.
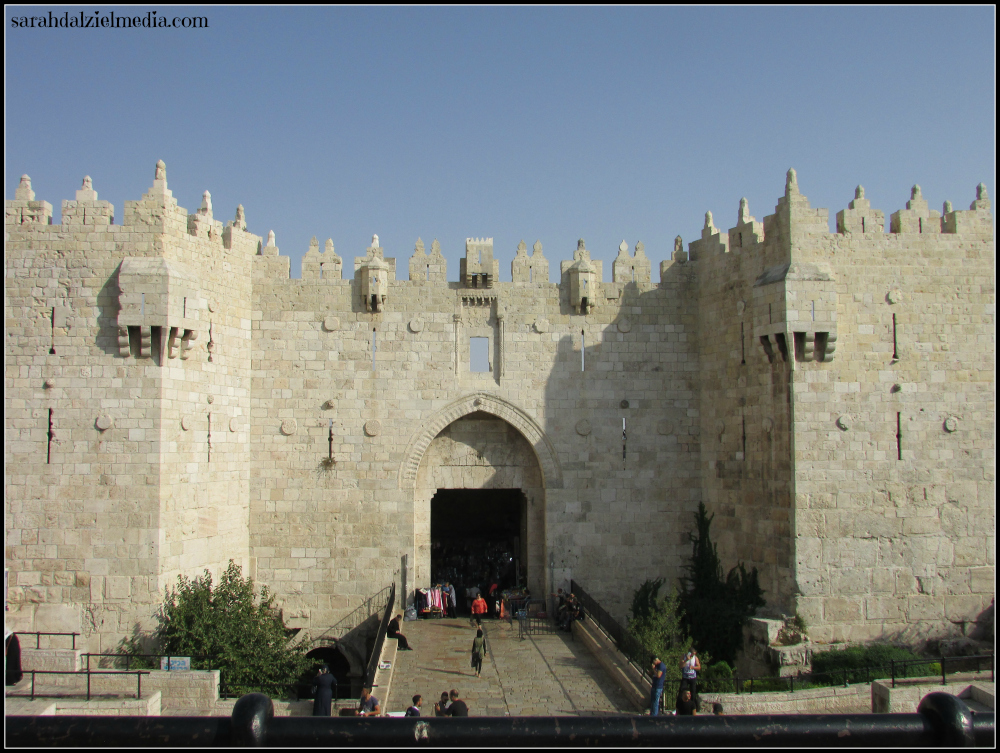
(87, 672)
(637, 656)
(941, 720)
(39, 635)
(372, 605)
(530, 623)
(895, 670)
(380, 638)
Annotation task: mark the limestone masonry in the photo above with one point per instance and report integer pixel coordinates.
(173, 400)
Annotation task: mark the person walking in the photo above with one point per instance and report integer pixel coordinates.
(478, 652)
(479, 609)
(323, 691)
(659, 677)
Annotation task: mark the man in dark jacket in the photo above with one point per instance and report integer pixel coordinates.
(457, 707)
(323, 687)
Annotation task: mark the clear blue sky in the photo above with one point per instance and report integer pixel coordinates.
(550, 124)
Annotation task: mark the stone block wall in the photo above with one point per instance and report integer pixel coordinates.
(175, 400)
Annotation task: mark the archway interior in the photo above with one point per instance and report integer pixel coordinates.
(340, 668)
(478, 538)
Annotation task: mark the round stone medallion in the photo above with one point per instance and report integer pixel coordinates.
(331, 323)
(186, 422)
(233, 424)
(950, 424)
(624, 325)
(720, 426)
(105, 422)
(583, 427)
(665, 427)
(768, 425)
(373, 427)
(416, 325)
(624, 403)
(844, 422)
(894, 296)
(741, 306)
(211, 306)
(288, 426)
(541, 325)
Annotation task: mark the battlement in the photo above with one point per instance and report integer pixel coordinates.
(793, 220)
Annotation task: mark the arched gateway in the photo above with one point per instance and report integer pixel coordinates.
(478, 473)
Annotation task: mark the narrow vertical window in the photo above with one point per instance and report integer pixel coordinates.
(321, 271)
(862, 224)
(52, 346)
(813, 305)
(895, 350)
(209, 437)
(374, 346)
(769, 314)
(142, 305)
(743, 344)
(50, 434)
(899, 436)
(531, 274)
(428, 272)
(185, 307)
(744, 420)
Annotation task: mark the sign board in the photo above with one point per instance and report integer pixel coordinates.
(176, 663)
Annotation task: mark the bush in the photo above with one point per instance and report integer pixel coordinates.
(715, 609)
(234, 631)
(655, 624)
(864, 663)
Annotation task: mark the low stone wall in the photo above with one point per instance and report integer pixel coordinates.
(147, 706)
(188, 692)
(854, 699)
(906, 696)
(62, 659)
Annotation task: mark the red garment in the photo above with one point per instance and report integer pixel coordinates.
(479, 605)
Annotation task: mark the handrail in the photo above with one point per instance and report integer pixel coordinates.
(626, 643)
(941, 720)
(88, 672)
(372, 605)
(380, 639)
(38, 635)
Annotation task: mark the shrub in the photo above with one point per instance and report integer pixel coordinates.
(655, 624)
(227, 627)
(864, 663)
(715, 609)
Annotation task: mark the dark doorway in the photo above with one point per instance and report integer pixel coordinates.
(478, 539)
(340, 668)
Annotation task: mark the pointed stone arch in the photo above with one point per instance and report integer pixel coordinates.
(486, 403)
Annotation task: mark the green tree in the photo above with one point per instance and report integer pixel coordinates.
(714, 609)
(242, 635)
(655, 624)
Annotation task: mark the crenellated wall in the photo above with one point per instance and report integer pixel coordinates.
(175, 400)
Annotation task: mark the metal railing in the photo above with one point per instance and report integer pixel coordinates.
(631, 648)
(941, 720)
(532, 624)
(372, 605)
(88, 672)
(895, 670)
(380, 638)
(38, 636)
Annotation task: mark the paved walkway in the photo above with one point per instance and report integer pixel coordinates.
(542, 675)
